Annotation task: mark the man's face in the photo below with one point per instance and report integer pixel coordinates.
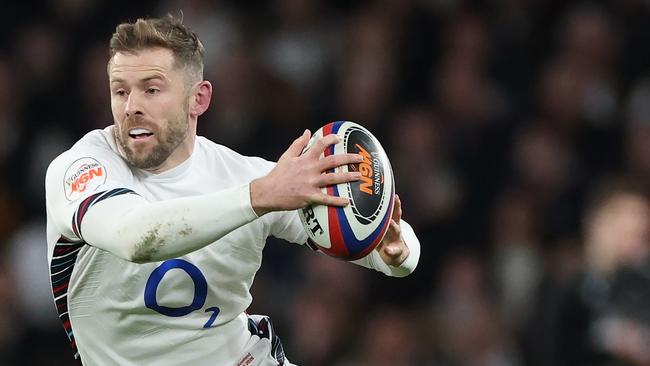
(150, 105)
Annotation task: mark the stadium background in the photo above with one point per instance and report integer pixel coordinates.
(501, 118)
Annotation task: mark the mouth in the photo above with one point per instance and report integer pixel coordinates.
(140, 133)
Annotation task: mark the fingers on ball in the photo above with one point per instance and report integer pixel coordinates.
(334, 161)
(328, 200)
(322, 143)
(329, 179)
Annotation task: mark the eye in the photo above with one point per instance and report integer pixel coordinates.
(152, 90)
(120, 92)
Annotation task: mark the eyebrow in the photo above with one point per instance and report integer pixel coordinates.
(141, 81)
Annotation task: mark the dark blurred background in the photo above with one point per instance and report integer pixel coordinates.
(518, 130)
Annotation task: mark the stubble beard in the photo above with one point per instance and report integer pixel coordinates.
(167, 141)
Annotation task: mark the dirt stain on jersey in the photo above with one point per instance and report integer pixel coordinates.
(187, 231)
(149, 245)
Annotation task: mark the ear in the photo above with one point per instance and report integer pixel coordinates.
(200, 98)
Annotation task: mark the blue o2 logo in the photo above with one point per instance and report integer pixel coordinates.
(200, 290)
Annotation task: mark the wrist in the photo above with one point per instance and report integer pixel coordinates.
(258, 194)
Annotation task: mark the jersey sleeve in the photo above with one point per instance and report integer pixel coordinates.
(90, 198)
(373, 259)
(79, 178)
(287, 225)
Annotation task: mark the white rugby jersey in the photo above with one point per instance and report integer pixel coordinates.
(188, 310)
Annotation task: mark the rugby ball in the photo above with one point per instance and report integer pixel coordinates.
(353, 231)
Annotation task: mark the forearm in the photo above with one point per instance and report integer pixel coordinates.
(148, 232)
(374, 260)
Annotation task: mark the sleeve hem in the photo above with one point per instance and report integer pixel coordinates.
(411, 262)
(247, 204)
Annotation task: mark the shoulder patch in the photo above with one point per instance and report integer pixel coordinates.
(83, 175)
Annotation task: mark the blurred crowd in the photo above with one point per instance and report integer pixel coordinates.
(518, 130)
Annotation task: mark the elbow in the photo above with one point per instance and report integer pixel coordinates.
(145, 248)
(138, 257)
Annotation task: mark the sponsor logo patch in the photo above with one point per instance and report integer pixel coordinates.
(84, 175)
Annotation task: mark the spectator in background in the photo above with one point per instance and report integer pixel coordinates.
(594, 321)
(421, 150)
(618, 248)
(9, 138)
(94, 102)
(321, 322)
(8, 309)
(366, 71)
(517, 264)
(465, 327)
(637, 148)
(389, 338)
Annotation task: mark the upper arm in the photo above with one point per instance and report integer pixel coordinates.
(77, 180)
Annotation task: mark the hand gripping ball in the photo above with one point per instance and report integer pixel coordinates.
(353, 231)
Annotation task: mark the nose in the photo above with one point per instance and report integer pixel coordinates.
(133, 106)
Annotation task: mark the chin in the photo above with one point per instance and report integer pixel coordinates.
(145, 163)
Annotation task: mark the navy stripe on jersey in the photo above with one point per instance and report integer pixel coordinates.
(88, 202)
(63, 261)
(264, 329)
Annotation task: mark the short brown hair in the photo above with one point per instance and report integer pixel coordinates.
(167, 32)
